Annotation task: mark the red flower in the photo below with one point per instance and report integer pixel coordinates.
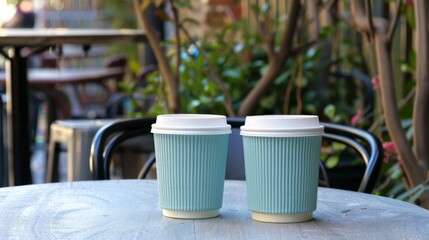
(389, 148)
(376, 83)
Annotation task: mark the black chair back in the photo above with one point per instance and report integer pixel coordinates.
(108, 138)
(367, 145)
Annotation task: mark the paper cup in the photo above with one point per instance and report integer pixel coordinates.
(191, 151)
(282, 154)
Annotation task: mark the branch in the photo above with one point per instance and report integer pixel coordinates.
(421, 101)
(393, 24)
(312, 19)
(391, 113)
(407, 98)
(289, 31)
(288, 94)
(266, 36)
(164, 67)
(299, 87)
(370, 23)
(330, 6)
(176, 29)
(274, 66)
(177, 34)
(302, 48)
(228, 100)
(363, 23)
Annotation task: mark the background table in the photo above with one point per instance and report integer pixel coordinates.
(17, 86)
(129, 209)
(49, 76)
(44, 80)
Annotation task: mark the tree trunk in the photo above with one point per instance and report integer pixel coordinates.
(391, 114)
(421, 100)
(172, 82)
(276, 62)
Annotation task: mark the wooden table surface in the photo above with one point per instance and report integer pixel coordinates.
(129, 209)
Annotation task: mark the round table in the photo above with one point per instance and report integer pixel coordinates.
(129, 209)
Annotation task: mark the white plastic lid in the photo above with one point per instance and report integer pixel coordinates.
(191, 124)
(282, 126)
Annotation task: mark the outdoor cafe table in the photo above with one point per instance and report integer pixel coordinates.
(45, 80)
(129, 209)
(11, 43)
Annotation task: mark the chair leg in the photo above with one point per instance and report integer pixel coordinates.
(53, 161)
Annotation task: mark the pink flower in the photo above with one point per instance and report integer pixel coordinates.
(389, 148)
(376, 83)
(356, 118)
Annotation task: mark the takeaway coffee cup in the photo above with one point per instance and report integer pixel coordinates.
(191, 151)
(282, 154)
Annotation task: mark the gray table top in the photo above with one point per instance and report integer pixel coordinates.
(129, 209)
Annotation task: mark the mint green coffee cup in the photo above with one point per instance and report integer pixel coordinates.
(191, 151)
(282, 154)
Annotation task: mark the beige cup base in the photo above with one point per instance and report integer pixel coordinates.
(281, 218)
(190, 214)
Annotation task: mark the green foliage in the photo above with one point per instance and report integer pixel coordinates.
(236, 62)
(332, 161)
(333, 151)
(413, 194)
(329, 111)
(408, 11)
(409, 66)
(120, 13)
(236, 54)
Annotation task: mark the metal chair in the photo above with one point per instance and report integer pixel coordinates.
(367, 145)
(108, 138)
